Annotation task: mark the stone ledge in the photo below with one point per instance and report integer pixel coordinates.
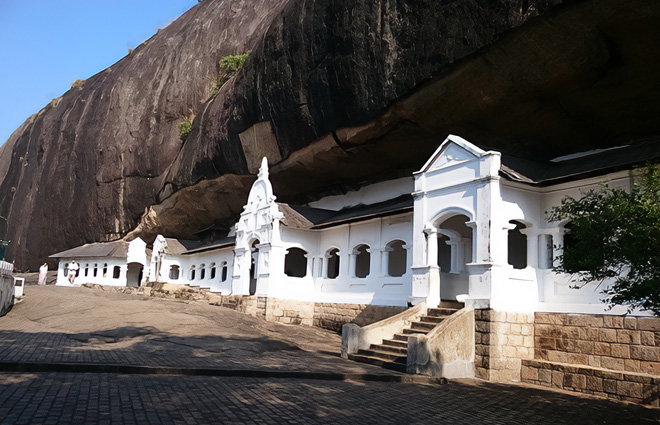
(629, 386)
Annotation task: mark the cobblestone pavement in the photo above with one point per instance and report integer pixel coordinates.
(134, 399)
(75, 325)
(80, 325)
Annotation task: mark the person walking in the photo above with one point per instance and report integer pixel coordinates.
(43, 273)
(73, 269)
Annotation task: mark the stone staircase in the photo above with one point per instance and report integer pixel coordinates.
(393, 353)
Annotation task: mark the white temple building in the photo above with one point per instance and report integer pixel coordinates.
(466, 226)
(387, 264)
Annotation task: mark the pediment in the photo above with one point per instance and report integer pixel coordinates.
(453, 151)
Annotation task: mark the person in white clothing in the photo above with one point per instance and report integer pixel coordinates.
(43, 273)
(73, 268)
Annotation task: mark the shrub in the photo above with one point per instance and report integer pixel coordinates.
(77, 83)
(614, 235)
(185, 127)
(229, 66)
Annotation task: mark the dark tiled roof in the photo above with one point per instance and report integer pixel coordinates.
(181, 246)
(115, 249)
(302, 217)
(581, 166)
(228, 241)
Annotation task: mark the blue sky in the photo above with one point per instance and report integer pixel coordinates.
(48, 44)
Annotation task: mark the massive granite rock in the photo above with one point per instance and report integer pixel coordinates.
(85, 167)
(335, 93)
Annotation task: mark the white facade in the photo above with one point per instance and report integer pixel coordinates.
(117, 269)
(468, 233)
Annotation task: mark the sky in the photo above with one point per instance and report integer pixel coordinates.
(48, 44)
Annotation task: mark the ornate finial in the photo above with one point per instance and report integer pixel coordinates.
(263, 170)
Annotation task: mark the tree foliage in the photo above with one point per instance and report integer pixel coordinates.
(229, 66)
(614, 234)
(184, 127)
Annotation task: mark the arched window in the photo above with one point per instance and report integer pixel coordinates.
(224, 271)
(212, 273)
(191, 275)
(396, 258)
(202, 272)
(295, 262)
(332, 270)
(517, 249)
(362, 261)
(115, 272)
(174, 272)
(96, 268)
(86, 270)
(105, 269)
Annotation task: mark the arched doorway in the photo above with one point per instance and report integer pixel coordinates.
(254, 265)
(134, 274)
(454, 252)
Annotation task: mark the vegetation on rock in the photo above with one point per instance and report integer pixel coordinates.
(229, 66)
(614, 234)
(77, 83)
(185, 127)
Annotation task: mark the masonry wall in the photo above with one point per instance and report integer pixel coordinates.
(627, 344)
(502, 341)
(609, 356)
(290, 312)
(333, 315)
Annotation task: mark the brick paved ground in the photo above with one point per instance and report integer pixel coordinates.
(134, 399)
(81, 325)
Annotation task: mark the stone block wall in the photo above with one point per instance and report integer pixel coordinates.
(333, 316)
(627, 344)
(242, 303)
(627, 386)
(502, 341)
(290, 312)
(609, 356)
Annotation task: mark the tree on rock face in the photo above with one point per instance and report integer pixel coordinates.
(615, 234)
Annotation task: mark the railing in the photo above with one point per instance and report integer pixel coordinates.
(354, 337)
(6, 269)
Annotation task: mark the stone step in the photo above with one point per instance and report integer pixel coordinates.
(400, 367)
(412, 331)
(423, 326)
(402, 351)
(390, 357)
(399, 343)
(451, 304)
(432, 319)
(441, 312)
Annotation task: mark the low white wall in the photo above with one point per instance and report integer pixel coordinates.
(6, 287)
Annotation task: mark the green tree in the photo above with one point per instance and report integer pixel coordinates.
(184, 127)
(229, 66)
(614, 234)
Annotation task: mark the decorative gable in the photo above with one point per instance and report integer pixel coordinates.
(453, 151)
(260, 212)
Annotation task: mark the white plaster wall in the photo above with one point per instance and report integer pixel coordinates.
(537, 288)
(185, 262)
(87, 264)
(371, 194)
(377, 288)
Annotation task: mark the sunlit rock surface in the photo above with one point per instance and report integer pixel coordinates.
(335, 93)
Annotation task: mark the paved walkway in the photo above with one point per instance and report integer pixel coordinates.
(80, 326)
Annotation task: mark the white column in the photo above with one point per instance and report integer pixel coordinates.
(431, 246)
